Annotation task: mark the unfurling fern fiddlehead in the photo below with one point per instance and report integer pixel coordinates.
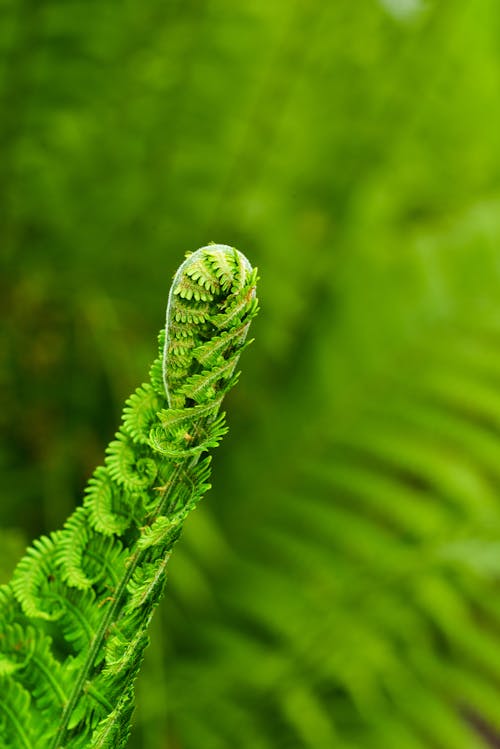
(74, 619)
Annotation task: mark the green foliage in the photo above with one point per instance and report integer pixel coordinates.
(340, 587)
(74, 619)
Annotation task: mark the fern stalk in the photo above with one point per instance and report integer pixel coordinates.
(74, 619)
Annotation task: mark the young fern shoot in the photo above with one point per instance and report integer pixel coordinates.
(74, 619)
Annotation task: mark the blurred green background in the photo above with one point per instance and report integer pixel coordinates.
(339, 587)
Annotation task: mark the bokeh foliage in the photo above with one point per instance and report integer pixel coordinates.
(339, 586)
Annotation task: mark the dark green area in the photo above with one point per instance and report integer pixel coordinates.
(339, 586)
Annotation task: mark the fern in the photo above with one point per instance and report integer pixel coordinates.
(75, 616)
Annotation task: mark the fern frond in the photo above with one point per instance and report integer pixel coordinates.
(110, 509)
(33, 574)
(145, 582)
(139, 414)
(203, 274)
(157, 532)
(16, 725)
(184, 443)
(193, 314)
(113, 731)
(75, 617)
(85, 556)
(203, 387)
(29, 654)
(189, 288)
(128, 465)
(244, 307)
(210, 353)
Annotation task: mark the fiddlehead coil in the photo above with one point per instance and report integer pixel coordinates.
(210, 306)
